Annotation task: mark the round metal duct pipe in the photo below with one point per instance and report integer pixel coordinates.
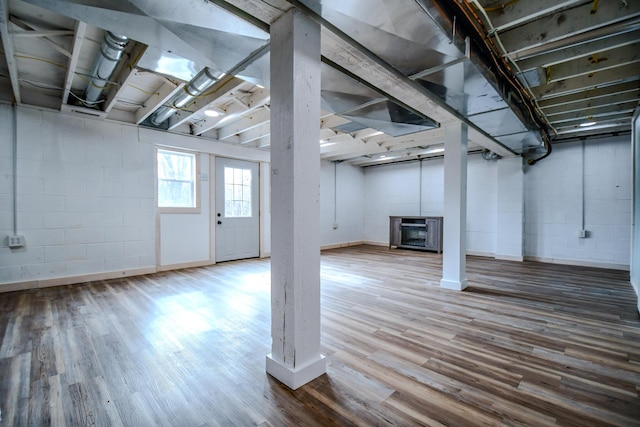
(196, 87)
(111, 51)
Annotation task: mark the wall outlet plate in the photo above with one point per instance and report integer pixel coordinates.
(16, 241)
(582, 234)
(335, 225)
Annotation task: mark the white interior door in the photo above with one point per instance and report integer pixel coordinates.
(237, 209)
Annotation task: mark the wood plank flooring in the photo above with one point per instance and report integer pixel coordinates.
(525, 344)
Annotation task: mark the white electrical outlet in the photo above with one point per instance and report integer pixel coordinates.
(582, 234)
(335, 225)
(16, 241)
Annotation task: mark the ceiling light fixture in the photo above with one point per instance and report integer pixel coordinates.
(213, 112)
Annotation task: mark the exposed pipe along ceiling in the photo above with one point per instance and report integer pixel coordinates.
(521, 75)
(111, 51)
(196, 87)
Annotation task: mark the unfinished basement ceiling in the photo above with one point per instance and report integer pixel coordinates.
(395, 72)
(579, 59)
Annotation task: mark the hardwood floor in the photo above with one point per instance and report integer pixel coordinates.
(525, 344)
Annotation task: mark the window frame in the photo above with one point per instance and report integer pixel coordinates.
(196, 180)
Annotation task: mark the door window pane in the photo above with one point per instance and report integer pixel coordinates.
(237, 192)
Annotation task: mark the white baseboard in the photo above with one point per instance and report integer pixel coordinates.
(580, 263)
(509, 257)
(370, 242)
(60, 281)
(18, 286)
(70, 280)
(295, 378)
(480, 253)
(181, 265)
(454, 285)
(341, 245)
(636, 287)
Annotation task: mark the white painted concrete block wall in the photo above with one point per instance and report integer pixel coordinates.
(510, 209)
(395, 190)
(185, 238)
(87, 204)
(432, 187)
(342, 189)
(85, 197)
(389, 190)
(482, 208)
(553, 204)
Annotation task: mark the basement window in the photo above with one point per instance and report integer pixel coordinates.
(177, 183)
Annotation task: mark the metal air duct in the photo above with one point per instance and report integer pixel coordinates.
(196, 87)
(111, 51)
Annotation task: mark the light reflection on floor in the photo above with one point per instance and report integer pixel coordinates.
(220, 309)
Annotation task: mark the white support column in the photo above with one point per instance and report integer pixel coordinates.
(295, 357)
(510, 218)
(454, 275)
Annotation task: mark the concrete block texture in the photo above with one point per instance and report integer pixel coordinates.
(81, 207)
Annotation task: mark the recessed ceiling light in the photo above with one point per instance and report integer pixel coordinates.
(585, 124)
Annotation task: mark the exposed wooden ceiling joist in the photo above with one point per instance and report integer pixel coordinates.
(9, 52)
(577, 21)
(197, 106)
(73, 60)
(123, 74)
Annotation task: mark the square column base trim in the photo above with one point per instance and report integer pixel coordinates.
(296, 378)
(453, 284)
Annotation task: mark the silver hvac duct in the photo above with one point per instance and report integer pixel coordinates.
(111, 51)
(196, 87)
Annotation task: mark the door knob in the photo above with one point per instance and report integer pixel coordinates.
(219, 222)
